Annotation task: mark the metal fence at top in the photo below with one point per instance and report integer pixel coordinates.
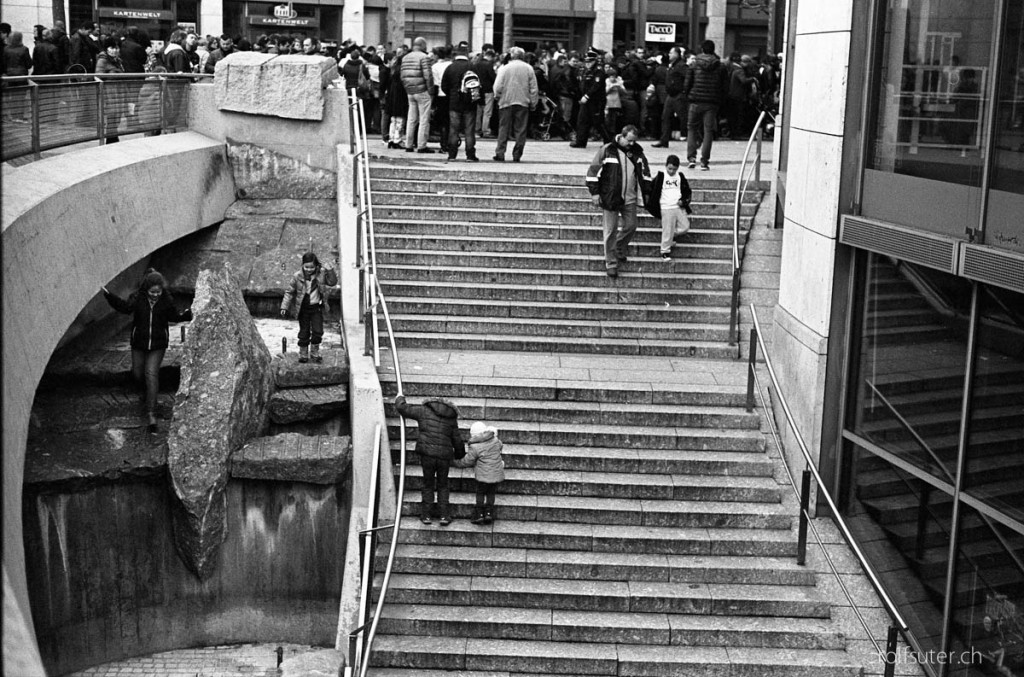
(45, 112)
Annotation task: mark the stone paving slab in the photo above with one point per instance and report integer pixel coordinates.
(244, 660)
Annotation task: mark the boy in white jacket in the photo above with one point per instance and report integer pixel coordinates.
(483, 452)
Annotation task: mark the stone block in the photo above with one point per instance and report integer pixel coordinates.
(307, 404)
(266, 174)
(321, 663)
(294, 458)
(286, 86)
(290, 373)
(226, 379)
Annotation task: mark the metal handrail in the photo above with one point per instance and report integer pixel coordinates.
(900, 625)
(44, 112)
(373, 298)
(741, 190)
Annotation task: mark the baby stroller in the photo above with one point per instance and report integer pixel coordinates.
(545, 116)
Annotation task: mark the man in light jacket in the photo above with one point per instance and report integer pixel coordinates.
(516, 91)
(418, 79)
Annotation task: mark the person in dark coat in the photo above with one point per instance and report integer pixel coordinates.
(705, 84)
(462, 105)
(674, 102)
(396, 101)
(115, 93)
(133, 51)
(17, 60)
(84, 49)
(152, 310)
(592, 98)
(46, 56)
(438, 444)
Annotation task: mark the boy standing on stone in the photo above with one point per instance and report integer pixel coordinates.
(483, 453)
(310, 284)
(670, 202)
(438, 443)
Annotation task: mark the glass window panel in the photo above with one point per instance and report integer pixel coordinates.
(902, 525)
(912, 362)
(995, 456)
(934, 72)
(988, 608)
(1004, 227)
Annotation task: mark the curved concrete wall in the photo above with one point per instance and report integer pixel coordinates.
(71, 223)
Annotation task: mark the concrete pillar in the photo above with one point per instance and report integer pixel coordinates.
(353, 20)
(715, 29)
(604, 24)
(820, 73)
(483, 27)
(211, 17)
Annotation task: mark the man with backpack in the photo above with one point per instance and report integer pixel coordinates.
(461, 84)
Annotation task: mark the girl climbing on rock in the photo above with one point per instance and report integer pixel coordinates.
(310, 285)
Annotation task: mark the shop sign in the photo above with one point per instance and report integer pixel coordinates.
(274, 21)
(660, 32)
(151, 14)
(285, 11)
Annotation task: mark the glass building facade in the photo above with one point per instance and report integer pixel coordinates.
(931, 464)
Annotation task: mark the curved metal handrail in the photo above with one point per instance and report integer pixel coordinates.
(822, 487)
(741, 190)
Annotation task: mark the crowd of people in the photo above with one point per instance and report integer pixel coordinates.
(411, 97)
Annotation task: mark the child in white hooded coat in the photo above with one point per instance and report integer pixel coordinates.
(483, 453)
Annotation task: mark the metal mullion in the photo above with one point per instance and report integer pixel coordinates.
(990, 120)
(854, 317)
(992, 513)
(869, 106)
(961, 463)
(899, 462)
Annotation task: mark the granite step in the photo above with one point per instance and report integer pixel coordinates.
(591, 261)
(617, 436)
(384, 171)
(534, 225)
(671, 389)
(602, 538)
(620, 511)
(685, 248)
(520, 343)
(627, 461)
(596, 566)
(720, 599)
(654, 629)
(443, 186)
(603, 413)
(492, 308)
(382, 200)
(573, 279)
(587, 290)
(554, 328)
(758, 489)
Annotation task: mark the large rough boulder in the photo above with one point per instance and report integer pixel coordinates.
(226, 380)
(262, 173)
(285, 86)
(291, 457)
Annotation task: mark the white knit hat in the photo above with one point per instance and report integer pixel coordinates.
(477, 429)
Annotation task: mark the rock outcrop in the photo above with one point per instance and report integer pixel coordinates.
(291, 457)
(226, 380)
(285, 86)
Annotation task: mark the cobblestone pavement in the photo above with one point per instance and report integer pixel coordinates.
(240, 660)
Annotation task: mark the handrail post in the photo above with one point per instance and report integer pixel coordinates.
(100, 112)
(805, 501)
(34, 102)
(890, 651)
(757, 164)
(734, 306)
(163, 104)
(751, 365)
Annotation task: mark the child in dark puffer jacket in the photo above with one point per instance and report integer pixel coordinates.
(483, 452)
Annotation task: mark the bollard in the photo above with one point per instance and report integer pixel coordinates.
(284, 345)
(183, 333)
(280, 655)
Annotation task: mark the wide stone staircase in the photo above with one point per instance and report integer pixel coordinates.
(641, 529)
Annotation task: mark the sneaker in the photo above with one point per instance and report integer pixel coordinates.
(622, 258)
(445, 521)
(515, 159)
(612, 272)
(478, 518)
(666, 256)
(410, 150)
(498, 158)
(692, 165)
(425, 519)
(704, 167)
(659, 145)
(472, 158)
(425, 150)
(577, 145)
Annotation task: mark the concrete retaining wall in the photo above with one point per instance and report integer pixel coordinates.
(71, 223)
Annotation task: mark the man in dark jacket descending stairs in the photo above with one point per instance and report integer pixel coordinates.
(437, 444)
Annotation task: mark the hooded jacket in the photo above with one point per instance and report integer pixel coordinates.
(149, 322)
(483, 452)
(707, 80)
(176, 60)
(438, 427)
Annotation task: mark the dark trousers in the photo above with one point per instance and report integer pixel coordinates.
(675, 106)
(485, 493)
(311, 323)
(462, 123)
(512, 121)
(146, 372)
(435, 477)
(589, 113)
(700, 130)
(441, 120)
